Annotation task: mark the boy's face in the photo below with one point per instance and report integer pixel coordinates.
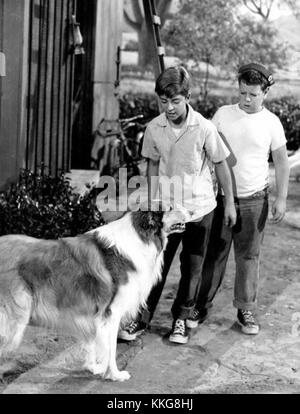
(251, 97)
(175, 107)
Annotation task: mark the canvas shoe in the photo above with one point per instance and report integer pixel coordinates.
(197, 317)
(247, 322)
(131, 331)
(179, 333)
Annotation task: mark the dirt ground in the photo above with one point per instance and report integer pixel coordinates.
(218, 359)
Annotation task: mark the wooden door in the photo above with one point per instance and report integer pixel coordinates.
(83, 100)
(50, 85)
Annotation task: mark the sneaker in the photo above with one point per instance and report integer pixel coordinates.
(132, 330)
(248, 324)
(197, 316)
(179, 334)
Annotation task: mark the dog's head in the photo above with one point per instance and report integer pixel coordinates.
(174, 220)
(161, 218)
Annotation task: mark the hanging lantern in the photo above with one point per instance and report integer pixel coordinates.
(76, 39)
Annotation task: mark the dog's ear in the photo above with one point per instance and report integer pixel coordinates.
(148, 220)
(156, 219)
(151, 220)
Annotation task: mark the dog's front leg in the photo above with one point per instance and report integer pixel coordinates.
(112, 372)
(102, 346)
(90, 357)
(97, 354)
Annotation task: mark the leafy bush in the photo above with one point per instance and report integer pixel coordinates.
(146, 103)
(135, 104)
(46, 207)
(288, 111)
(131, 46)
(209, 107)
(286, 108)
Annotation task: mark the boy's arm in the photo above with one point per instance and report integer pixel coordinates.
(152, 179)
(282, 172)
(224, 178)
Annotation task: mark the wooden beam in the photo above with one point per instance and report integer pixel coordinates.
(108, 37)
(13, 33)
(154, 35)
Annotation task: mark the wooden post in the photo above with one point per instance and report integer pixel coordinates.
(107, 39)
(13, 33)
(154, 35)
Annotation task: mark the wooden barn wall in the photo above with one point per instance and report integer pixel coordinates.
(50, 86)
(40, 103)
(108, 38)
(13, 37)
(37, 92)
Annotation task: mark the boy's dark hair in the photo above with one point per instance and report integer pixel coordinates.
(173, 81)
(252, 77)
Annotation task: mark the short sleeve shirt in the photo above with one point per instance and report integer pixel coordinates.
(250, 139)
(186, 159)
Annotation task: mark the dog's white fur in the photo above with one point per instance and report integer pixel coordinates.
(89, 283)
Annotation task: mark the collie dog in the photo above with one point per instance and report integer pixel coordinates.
(89, 283)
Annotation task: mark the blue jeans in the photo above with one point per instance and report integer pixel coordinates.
(246, 237)
(194, 246)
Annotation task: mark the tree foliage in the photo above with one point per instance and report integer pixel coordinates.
(200, 32)
(209, 31)
(263, 8)
(256, 41)
(201, 27)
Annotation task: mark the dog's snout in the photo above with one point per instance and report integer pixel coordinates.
(174, 220)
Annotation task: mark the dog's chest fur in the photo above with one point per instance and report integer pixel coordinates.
(145, 254)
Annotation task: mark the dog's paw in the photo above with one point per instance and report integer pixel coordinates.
(118, 376)
(96, 369)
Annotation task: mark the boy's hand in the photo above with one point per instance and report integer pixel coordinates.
(278, 209)
(229, 214)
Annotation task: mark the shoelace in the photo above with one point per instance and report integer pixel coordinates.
(195, 314)
(179, 327)
(132, 326)
(248, 317)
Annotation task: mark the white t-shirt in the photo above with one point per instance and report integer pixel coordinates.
(186, 157)
(250, 138)
(176, 131)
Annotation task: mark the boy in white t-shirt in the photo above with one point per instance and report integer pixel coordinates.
(180, 143)
(251, 133)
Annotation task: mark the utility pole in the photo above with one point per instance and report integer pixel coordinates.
(153, 24)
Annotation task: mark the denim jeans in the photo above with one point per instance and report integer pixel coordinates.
(194, 245)
(247, 237)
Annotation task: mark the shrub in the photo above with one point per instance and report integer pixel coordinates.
(147, 104)
(288, 111)
(46, 207)
(131, 46)
(286, 108)
(135, 104)
(209, 107)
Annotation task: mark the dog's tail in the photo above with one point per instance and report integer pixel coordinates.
(14, 317)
